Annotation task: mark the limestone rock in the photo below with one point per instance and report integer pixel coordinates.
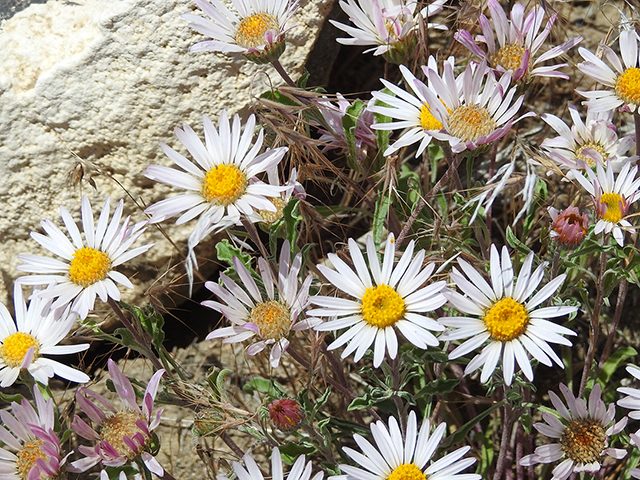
(107, 81)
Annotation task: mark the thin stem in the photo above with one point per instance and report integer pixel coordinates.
(326, 452)
(622, 294)
(555, 265)
(395, 378)
(507, 423)
(456, 183)
(231, 444)
(453, 168)
(142, 341)
(332, 381)
(636, 121)
(492, 172)
(595, 324)
(285, 76)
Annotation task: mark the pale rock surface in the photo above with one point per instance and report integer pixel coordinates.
(108, 80)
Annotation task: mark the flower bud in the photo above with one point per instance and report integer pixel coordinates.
(570, 227)
(285, 413)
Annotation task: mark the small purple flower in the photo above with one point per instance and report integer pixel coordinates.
(32, 450)
(582, 431)
(516, 46)
(335, 138)
(122, 435)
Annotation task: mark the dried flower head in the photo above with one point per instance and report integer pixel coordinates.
(285, 413)
(569, 227)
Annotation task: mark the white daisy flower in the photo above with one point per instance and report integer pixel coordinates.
(294, 188)
(89, 268)
(31, 448)
(475, 112)
(393, 300)
(251, 471)
(624, 83)
(582, 431)
(518, 42)
(399, 457)
(632, 399)
(271, 319)
(222, 185)
(388, 26)
(612, 196)
(410, 108)
(585, 143)
(35, 333)
(256, 31)
(501, 315)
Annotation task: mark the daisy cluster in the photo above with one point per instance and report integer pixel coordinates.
(403, 275)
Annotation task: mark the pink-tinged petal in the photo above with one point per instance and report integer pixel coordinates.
(152, 464)
(150, 393)
(123, 386)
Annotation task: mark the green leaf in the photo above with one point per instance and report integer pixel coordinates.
(5, 397)
(225, 252)
(349, 123)
(439, 387)
(514, 242)
(278, 97)
(613, 362)
(302, 81)
(215, 379)
(458, 436)
(264, 386)
(379, 216)
(292, 218)
(383, 135)
(291, 451)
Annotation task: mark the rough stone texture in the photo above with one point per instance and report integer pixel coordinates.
(108, 81)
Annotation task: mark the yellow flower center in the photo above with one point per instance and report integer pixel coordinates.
(584, 440)
(16, 346)
(89, 266)
(382, 306)
(391, 29)
(613, 201)
(427, 120)
(120, 425)
(272, 217)
(407, 471)
(587, 159)
(628, 86)
(252, 29)
(470, 122)
(27, 457)
(509, 57)
(273, 318)
(224, 184)
(506, 320)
